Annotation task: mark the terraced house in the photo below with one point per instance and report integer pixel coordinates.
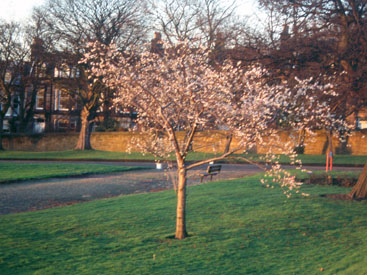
(43, 96)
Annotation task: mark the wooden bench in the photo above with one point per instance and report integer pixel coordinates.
(211, 171)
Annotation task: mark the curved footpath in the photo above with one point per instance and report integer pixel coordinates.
(40, 194)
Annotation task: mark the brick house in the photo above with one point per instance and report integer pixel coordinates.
(55, 109)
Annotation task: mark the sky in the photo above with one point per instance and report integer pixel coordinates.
(18, 10)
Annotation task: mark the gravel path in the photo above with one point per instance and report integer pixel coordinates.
(40, 194)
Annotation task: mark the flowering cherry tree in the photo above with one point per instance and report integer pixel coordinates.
(179, 90)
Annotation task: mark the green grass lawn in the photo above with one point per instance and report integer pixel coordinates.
(193, 156)
(348, 160)
(236, 227)
(11, 171)
(74, 155)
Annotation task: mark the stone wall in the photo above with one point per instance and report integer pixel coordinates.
(210, 141)
(48, 142)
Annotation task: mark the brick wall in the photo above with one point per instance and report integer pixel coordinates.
(213, 141)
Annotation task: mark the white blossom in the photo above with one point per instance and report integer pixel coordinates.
(181, 91)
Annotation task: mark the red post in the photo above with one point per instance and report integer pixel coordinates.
(329, 161)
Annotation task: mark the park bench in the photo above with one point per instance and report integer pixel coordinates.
(211, 171)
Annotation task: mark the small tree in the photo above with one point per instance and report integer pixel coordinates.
(181, 91)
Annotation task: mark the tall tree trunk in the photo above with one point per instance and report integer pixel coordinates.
(329, 150)
(181, 232)
(27, 109)
(1, 132)
(84, 134)
(359, 191)
(228, 143)
(300, 148)
(329, 135)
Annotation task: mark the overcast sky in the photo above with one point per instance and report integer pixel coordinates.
(17, 10)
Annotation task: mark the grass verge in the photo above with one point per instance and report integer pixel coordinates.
(12, 171)
(236, 227)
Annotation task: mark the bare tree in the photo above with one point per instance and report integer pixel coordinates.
(215, 18)
(193, 20)
(13, 53)
(176, 19)
(70, 24)
(324, 37)
(37, 72)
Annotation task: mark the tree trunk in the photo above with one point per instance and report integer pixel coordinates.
(84, 134)
(181, 205)
(359, 191)
(27, 110)
(329, 135)
(1, 132)
(329, 151)
(228, 143)
(300, 148)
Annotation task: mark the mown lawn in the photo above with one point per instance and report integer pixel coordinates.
(12, 171)
(236, 227)
(348, 160)
(74, 155)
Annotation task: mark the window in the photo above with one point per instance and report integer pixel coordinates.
(42, 70)
(361, 123)
(7, 77)
(39, 125)
(62, 100)
(56, 72)
(63, 71)
(63, 124)
(15, 105)
(75, 72)
(40, 99)
(13, 110)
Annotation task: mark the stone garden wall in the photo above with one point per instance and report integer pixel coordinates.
(210, 141)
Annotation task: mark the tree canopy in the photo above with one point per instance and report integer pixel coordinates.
(180, 91)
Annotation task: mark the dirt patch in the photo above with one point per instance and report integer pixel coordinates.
(344, 197)
(344, 181)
